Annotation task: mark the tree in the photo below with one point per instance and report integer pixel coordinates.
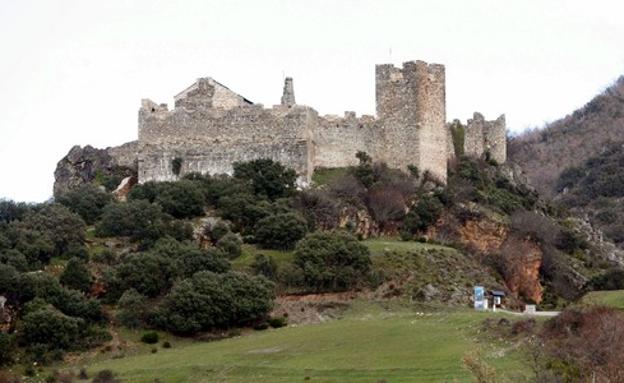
(208, 300)
(230, 245)
(265, 266)
(150, 274)
(267, 178)
(76, 276)
(87, 200)
(332, 261)
(364, 170)
(139, 220)
(57, 224)
(51, 328)
(7, 348)
(280, 231)
(132, 308)
(181, 199)
(424, 214)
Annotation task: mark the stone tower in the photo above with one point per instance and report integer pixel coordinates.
(288, 95)
(411, 106)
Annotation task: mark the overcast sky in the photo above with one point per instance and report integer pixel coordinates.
(74, 72)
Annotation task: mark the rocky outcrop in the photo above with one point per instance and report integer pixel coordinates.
(88, 164)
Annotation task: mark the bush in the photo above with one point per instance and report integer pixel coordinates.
(166, 344)
(364, 171)
(187, 258)
(150, 337)
(13, 257)
(48, 289)
(612, 279)
(277, 322)
(7, 348)
(76, 276)
(208, 300)
(265, 266)
(280, 231)
(139, 220)
(9, 281)
(88, 201)
(105, 376)
(132, 307)
(230, 244)
(332, 261)
(57, 224)
(243, 210)
(149, 273)
(424, 214)
(268, 179)
(50, 328)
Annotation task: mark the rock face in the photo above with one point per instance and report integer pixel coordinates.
(84, 165)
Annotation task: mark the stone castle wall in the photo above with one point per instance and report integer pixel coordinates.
(484, 137)
(211, 127)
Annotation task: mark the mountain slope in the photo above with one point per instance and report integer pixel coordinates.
(545, 154)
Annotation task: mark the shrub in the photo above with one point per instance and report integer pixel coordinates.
(166, 344)
(76, 276)
(386, 203)
(230, 244)
(139, 220)
(7, 348)
(319, 209)
(88, 201)
(15, 258)
(57, 224)
(243, 210)
(612, 279)
(424, 214)
(187, 258)
(105, 376)
(280, 231)
(265, 266)
(149, 273)
(150, 337)
(267, 178)
(277, 322)
(208, 300)
(364, 171)
(50, 328)
(9, 281)
(132, 307)
(332, 261)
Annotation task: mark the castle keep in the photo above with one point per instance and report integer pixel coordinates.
(211, 127)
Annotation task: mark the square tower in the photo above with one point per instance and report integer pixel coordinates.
(411, 106)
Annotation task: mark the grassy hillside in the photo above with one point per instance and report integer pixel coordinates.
(370, 344)
(613, 298)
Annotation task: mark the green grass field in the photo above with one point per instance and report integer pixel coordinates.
(377, 246)
(368, 345)
(613, 298)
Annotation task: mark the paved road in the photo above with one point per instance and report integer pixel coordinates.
(536, 313)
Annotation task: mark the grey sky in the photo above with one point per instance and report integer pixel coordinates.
(73, 72)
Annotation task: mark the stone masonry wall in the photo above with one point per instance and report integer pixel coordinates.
(211, 127)
(210, 140)
(337, 139)
(483, 137)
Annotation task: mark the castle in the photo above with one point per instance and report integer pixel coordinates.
(211, 127)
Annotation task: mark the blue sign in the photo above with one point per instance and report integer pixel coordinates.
(480, 301)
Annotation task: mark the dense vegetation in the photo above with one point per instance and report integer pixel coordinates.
(596, 188)
(163, 259)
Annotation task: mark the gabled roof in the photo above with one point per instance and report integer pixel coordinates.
(194, 86)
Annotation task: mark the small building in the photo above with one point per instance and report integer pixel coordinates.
(497, 299)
